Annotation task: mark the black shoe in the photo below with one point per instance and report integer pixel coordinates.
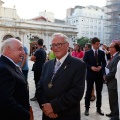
(109, 115)
(99, 111)
(86, 112)
(33, 99)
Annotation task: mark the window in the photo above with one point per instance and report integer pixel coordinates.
(83, 20)
(95, 33)
(91, 20)
(83, 32)
(95, 21)
(99, 28)
(95, 27)
(91, 33)
(99, 34)
(91, 26)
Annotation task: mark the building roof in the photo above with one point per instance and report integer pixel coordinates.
(40, 18)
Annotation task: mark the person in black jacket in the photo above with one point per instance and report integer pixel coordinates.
(39, 59)
(14, 100)
(95, 61)
(60, 90)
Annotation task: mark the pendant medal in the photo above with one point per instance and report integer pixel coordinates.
(50, 85)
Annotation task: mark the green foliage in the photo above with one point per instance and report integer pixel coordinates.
(82, 41)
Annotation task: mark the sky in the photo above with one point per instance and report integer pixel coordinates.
(28, 9)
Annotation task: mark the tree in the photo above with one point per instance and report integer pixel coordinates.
(82, 41)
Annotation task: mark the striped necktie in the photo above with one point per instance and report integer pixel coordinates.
(57, 66)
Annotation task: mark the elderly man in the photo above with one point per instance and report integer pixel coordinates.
(14, 100)
(62, 83)
(112, 82)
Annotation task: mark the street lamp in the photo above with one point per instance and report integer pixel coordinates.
(30, 37)
(74, 40)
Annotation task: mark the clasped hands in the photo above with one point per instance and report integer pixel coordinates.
(48, 111)
(96, 69)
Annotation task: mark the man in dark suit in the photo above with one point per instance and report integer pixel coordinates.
(112, 82)
(14, 100)
(95, 60)
(59, 91)
(39, 58)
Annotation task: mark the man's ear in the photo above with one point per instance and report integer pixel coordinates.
(67, 44)
(9, 49)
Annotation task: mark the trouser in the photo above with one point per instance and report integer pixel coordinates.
(37, 75)
(113, 102)
(99, 86)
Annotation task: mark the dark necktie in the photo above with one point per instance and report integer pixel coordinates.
(111, 57)
(96, 55)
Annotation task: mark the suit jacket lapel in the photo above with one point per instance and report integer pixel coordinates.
(7, 61)
(18, 71)
(51, 68)
(109, 64)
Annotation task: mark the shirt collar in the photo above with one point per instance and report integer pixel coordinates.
(95, 50)
(115, 54)
(11, 60)
(62, 59)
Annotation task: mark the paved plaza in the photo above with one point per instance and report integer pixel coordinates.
(92, 111)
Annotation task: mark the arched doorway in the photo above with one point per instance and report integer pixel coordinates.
(7, 36)
(33, 45)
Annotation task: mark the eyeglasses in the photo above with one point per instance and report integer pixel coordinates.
(57, 45)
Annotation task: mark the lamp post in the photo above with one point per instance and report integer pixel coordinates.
(74, 40)
(30, 37)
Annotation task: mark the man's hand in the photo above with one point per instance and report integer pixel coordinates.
(47, 109)
(53, 115)
(94, 68)
(104, 79)
(99, 68)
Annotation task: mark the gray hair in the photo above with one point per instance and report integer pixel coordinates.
(61, 35)
(7, 43)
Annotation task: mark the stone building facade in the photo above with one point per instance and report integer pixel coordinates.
(31, 30)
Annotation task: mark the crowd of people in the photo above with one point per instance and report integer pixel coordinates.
(60, 77)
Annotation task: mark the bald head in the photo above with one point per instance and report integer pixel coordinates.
(11, 43)
(13, 49)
